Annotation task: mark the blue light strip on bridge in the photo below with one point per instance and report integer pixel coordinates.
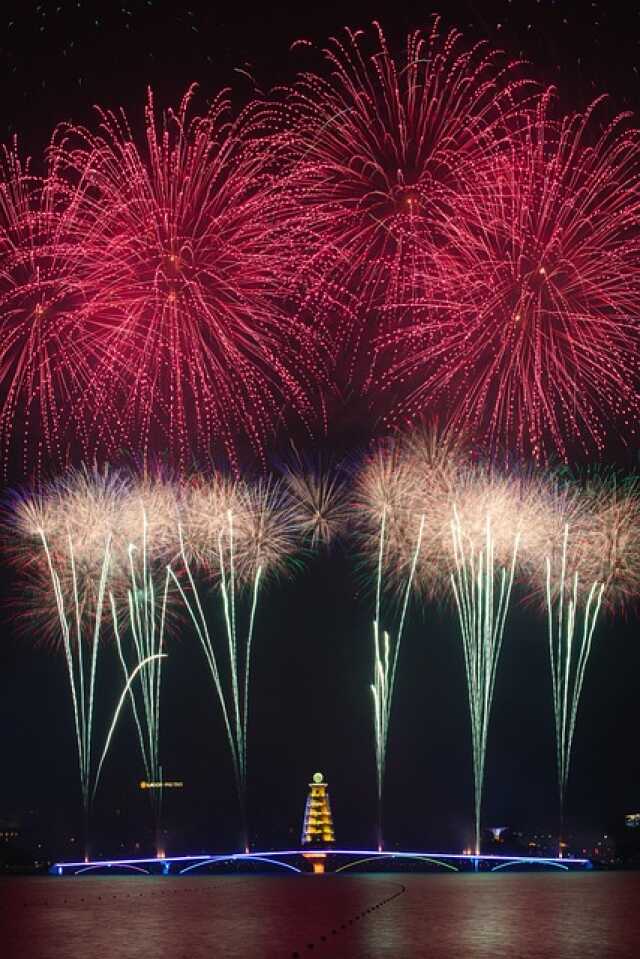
(373, 853)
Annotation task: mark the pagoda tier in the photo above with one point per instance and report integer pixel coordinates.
(317, 829)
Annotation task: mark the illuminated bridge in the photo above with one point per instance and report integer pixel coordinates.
(294, 860)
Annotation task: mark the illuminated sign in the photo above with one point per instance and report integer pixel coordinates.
(161, 785)
(632, 820)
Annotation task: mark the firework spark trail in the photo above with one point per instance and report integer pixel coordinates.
(82, 675)
(400, 492)
(82, 672)
(116, 715)
(385, 665)
(380, 691)
(484, 528)
(140, 601)
(569, 649)
(84, 544)
(496, 524)
(146, 624)
(591, 565)
(482, 591)
(234, 701)
(147, 636)
(235, 533)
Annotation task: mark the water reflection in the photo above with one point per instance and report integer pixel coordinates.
(532, 916)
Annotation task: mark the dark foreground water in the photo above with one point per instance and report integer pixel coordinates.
(524, 916)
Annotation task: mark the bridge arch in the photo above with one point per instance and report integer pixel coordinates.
(108, 866)
(390, 855)
(530, 862)
(214, 860)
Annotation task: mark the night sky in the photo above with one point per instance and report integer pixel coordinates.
(311, 702)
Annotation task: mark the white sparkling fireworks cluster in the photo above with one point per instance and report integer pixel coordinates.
(86, 514)
(433, 479)
(437, 522)
(111, 554)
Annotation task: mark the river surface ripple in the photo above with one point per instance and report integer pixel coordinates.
(384, 916)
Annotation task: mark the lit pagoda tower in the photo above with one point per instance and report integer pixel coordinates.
(317, 829)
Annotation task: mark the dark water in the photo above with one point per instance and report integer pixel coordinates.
(524, 916)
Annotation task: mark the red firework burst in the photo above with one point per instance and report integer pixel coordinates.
(44, 361)
(530, 336)
(377, 151)
(181, 258)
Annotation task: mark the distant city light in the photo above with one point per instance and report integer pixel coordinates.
(497, 831)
